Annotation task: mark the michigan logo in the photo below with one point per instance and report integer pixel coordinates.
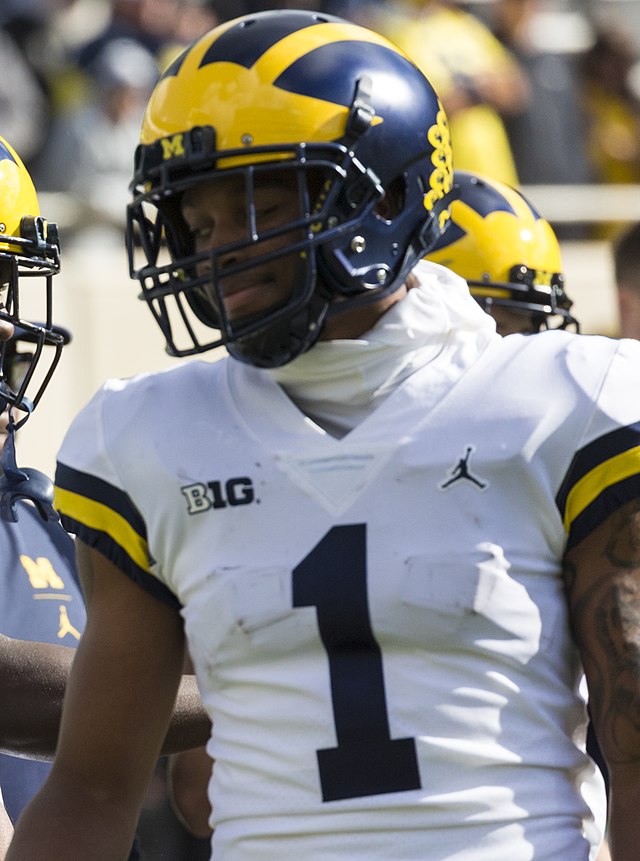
(172, 147)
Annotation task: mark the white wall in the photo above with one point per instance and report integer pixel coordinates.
(588, 268)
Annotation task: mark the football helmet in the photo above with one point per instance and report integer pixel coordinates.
(29, 250)
(322, 106)
(506, 251)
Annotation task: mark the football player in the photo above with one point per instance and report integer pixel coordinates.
(509, 256)
(29, 247)
(42, 610)
(392, 538)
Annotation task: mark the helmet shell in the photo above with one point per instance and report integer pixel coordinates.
(284, 77)
(29, 258)
(493, 229)
(17, 196)
(506, 251)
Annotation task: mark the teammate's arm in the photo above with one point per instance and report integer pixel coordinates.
(190, 726)
(33, 679)
(117, 709)
(189, 774)
(602, 576)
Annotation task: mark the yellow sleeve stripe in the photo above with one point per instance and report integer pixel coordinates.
(601, 477)
(96, 515)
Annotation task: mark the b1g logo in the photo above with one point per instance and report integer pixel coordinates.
(217, 494)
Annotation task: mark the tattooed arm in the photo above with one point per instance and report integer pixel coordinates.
(602, 576)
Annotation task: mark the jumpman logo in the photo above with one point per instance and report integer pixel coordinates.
(64, 625)
(461, 471)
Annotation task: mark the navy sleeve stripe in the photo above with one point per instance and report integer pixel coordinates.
(90, 487)
(111, 550)
(605, 504)
(592, 455)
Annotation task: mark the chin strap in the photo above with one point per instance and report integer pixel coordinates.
(17, 483)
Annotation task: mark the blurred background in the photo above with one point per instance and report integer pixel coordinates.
(544, 94)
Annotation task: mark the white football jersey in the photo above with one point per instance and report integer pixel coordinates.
(377, 622)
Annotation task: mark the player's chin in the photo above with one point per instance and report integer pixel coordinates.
(253, 302)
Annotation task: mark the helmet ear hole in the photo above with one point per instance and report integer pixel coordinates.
(392, 204)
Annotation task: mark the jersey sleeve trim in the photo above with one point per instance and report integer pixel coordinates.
(104, 517)
(105, 545)
(603, 476)
(106, 509)
(90, 487)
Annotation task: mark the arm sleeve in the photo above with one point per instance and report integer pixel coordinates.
(604, 473)
(92, 498)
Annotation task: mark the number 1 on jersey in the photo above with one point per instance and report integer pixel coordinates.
(366, 761)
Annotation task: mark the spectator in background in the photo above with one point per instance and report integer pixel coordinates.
(154, 24)
(548, 132)
(613, 107)
(24, 103)
(477, 79)
(364, 12)
(626, 263)
(89, 153)
(147, 22)
(101, 89)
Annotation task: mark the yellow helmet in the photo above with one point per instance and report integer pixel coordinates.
(506, 251)
(339, 110)
(29, 251)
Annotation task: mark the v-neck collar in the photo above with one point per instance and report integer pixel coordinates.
(425, 342)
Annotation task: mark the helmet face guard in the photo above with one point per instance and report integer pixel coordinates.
(540, 296)
(29, 257)
(340, 243)
(197, 282)
(507, 252)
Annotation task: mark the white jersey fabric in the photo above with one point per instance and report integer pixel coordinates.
(377, 619)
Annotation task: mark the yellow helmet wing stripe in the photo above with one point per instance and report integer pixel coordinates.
(173, 106)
